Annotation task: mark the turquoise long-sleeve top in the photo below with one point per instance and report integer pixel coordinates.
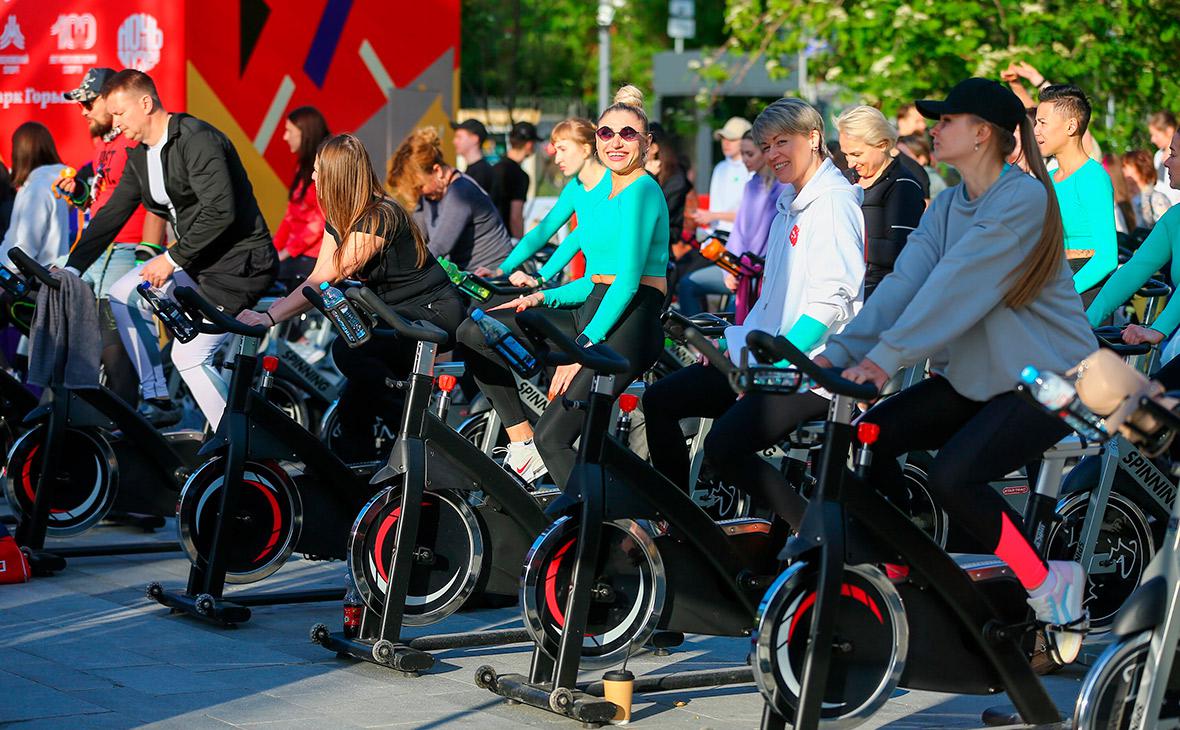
(574, 198)
(626, 237)
(1162, 244)
(1086, 199)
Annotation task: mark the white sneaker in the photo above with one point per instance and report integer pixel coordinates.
(524, 461)
(1058, 604)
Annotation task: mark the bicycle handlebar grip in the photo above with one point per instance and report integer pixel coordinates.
(705, 346)
(420, 331)
(313, 296)
(599, 358)
(500, 289)
(1154, 288)
(219, 321)
(1110, 337)
(828, 378)
(29, 266)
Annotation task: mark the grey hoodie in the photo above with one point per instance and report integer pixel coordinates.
(944, 299)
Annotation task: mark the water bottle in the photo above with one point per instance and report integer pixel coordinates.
(715, 252)
(353, 608)
(12, 283)
(466, 282)
(501, 339)
(348, 322)
(169, 313)
(1058, 395)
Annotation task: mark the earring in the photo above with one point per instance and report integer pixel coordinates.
(976, 146)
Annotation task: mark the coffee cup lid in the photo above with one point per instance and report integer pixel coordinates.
(618, 675)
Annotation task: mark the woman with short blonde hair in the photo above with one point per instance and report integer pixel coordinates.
(893, 199)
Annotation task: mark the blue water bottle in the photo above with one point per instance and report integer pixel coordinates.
(343, 315)
(501, 339)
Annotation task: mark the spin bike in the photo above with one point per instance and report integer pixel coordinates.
(267, 488)
(449, 529)
(601, 580)
(88, 453)
(836, 636)
(1134, 684)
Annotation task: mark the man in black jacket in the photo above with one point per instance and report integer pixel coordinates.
(188, 173)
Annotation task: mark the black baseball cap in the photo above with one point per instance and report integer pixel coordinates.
(91, 84)
(985, 98)
(524, 132)
(474, 126)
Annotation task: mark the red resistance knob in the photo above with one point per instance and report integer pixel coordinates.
(270, 363)
(446, 383)
(628, 402)
(867, 433)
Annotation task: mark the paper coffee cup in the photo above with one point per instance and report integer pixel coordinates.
(617, 686)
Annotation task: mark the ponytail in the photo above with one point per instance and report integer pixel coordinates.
(1044, 262)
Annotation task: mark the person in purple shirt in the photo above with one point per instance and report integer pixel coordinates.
(750, 231)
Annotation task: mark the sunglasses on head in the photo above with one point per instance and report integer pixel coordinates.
(628, 134)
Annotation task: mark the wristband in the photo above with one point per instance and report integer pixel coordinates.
(271, 317)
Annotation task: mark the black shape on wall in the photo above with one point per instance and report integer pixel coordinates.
(253, 15)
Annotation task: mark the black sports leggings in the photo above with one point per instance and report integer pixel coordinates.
(741, 429)
(637, 336)
(977, 442)
(366, 394)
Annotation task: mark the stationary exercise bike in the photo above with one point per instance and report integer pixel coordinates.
(449, 528)
(267, 488)
(629, 554)
(836, 636)
(88, 453)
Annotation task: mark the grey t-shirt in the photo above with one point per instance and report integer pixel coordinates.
(464, 226)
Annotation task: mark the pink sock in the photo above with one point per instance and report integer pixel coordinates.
(1014, 550)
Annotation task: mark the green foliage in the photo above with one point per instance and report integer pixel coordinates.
(886, 52)
(517, 53)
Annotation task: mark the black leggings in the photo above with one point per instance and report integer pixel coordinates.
(367, 367)
(977, 442)
(637, 336)
(741, 429)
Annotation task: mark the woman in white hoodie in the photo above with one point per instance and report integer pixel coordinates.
(812, 287)
(40, 224)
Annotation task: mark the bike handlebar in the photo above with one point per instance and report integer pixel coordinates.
(420, 331)
(1111, 338)
(702, 344)
(675, 324)
(499, 289)
(217, 321)
(776, 347)
(541, 331)
(29, 267)
(1154, 288)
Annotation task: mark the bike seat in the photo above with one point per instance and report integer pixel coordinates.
(1144, 609)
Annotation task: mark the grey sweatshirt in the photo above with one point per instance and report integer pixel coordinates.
(464, 226)
(944, 299)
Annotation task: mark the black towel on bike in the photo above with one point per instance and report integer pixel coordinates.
(65, 341)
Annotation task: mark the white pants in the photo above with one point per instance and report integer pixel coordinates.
(193, 360)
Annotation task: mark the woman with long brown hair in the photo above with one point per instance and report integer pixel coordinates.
(370, 237)
(40, 222)
(982, 288)
(457, 217)
(298, 237)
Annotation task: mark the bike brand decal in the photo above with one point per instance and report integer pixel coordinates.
(533, 397)
(306, 371)
(1013, 491)
(1150, 477)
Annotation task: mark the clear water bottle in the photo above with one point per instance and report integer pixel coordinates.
(1059, 396)
(348, 322)
(501, 339)
(169, 312)
(353, 608)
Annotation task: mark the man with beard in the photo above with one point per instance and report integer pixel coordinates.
(139, 240)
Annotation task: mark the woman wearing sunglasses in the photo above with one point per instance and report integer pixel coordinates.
(625, 239)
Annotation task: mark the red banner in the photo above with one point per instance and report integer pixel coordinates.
(47, 45)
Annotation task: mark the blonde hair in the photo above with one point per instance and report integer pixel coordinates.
(417, 154)
(349, 193)
(869, 125)
(790, 116)
(628, 98)
(576, 129)
(1044, 261)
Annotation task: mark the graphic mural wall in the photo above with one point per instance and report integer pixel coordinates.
(378, 69)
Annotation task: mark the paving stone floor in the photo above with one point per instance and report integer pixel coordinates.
(86, 649)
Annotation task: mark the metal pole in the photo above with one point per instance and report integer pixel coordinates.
(603, 67)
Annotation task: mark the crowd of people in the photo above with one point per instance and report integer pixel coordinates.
(1006, 202)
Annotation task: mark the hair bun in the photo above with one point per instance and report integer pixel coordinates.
(630, 96)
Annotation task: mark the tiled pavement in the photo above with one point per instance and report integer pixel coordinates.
(86, 649)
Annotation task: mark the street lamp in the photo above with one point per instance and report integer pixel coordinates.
(606, 17)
